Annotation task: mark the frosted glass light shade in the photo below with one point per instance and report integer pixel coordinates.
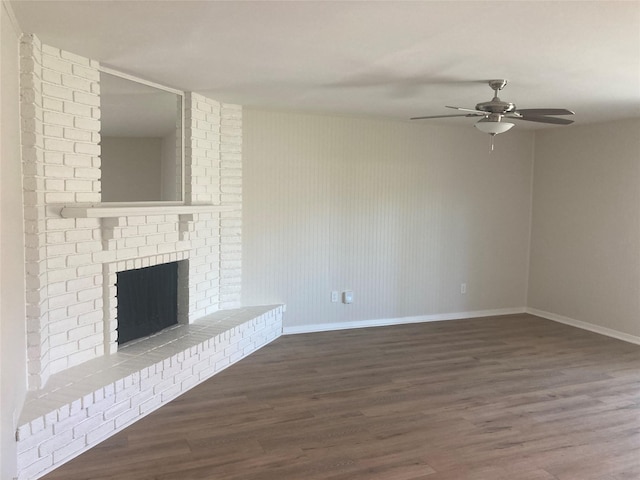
(493, 127)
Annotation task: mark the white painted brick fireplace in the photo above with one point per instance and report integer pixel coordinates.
(75, 245)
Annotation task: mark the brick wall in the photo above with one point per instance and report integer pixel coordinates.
(71, 262)
(60, 110)
(230, 195)
(77, 398)
(202, 134)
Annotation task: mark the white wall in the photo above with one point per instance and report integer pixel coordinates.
(585, 255)
(13, 365)
(401, 213)
(131, 169)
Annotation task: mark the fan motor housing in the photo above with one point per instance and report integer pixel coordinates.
(496, 106)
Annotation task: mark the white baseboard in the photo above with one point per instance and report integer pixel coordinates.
(585, 325)
(326, 327)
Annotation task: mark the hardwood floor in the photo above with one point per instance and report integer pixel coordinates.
(502, 398)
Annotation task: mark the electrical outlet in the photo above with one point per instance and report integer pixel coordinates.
(335, 296)
(463, 288)
(347, 296)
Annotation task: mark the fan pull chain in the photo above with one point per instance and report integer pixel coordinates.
(492, 137)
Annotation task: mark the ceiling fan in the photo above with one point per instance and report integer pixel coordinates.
(496, 113)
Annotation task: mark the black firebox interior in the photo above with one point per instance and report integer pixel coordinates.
(147, 301)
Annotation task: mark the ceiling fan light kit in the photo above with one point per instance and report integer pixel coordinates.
(496, 114)
(493, 126)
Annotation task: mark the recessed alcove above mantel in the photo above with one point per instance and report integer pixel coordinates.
(110, 210)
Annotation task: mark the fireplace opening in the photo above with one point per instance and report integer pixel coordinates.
(147, 301)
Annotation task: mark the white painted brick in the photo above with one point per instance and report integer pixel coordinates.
(77, 235)
(86, 148)
(74, 160)
(75, 58)
(87, 198)
(77, 83)
(86, 270)
(85, 306)
(55, 443)
(86, 72)
(81, 129)
(77, 109)
(100, 433)
(117, 409)
(59, 197)
(78, 357)
(56, 118)
(75, 406)
(78, 259)
(69, 449)
(53, 131)
(90, 173)
(162, 386)
(90, 317)
(80, 332)
(89, 294)
(86, 98)
(53, 104)
(63, 351)
(88, 247)
(87, 124)
(88, 342)
(100, 404)
(125, 394)
(60, 224)
(171, 393)
(26, 441)
(79, 185)
(56, 340)
(62, 300)
(67, 421)
(58, 145)
(31, 466)
(58, 171)
(54, 185)
(88, 222)
(56, 91)
(49, 50)
(79, 135)
(136, 220)
(148, 402)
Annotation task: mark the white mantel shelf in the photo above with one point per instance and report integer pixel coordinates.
(110, 211)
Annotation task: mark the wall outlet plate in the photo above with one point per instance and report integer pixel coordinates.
(347, 296)
(335, 296)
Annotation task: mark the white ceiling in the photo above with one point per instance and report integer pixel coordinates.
(394, 59)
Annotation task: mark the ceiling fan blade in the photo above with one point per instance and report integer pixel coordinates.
(467, 110)
(447, 116)
(545, 111)
(556, 121)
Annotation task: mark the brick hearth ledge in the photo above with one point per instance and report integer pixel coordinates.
(86, 404)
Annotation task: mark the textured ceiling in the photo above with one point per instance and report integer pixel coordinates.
(394, 59)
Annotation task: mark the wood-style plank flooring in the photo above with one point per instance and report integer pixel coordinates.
(501, 398)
